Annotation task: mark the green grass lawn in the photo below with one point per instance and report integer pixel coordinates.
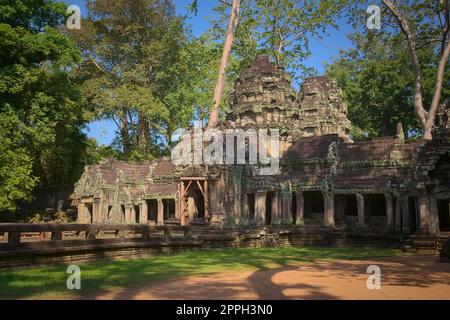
(48, 282)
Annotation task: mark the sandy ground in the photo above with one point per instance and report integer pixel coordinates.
(412, 277)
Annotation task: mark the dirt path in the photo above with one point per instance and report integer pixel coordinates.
(413, 277)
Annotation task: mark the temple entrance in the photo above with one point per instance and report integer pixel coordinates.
(89, 212)
(444, 214)
(194, 199)
(314, 208)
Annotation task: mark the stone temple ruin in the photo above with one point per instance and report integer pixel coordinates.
(325, 178)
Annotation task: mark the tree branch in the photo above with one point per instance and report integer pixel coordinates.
(418, 95)
(438, 88)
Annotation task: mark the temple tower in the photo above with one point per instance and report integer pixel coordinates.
(322, 109)
(263, 97)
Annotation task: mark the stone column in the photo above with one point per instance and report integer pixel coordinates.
(160, 216)
(328, 205)
(434, 216)
(260, 207)
(81, 214)
(286, 212)
(129, 213)
(405, 214)
(96, 210)
(144, 212)
(177, 208)
(424, 211)
(360, 203)
(389, 211)
(339, 209)
(300, 208)
(276, 212)
(398, 214)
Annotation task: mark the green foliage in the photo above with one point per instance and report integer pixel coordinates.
(40, 109)
(146, 73)
(17, 181)
(376, 75)
(278, 28)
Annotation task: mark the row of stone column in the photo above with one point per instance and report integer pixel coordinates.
(99, 211)
(143, 214)
(281, 208)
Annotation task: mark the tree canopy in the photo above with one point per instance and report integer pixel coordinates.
(40, 113)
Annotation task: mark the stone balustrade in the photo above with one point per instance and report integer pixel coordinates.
(16, 234)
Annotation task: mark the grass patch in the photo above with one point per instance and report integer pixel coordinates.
(51, 281)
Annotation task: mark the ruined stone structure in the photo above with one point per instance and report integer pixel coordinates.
(325, 178)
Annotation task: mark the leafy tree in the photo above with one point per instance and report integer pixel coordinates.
(41, 117)
(421, 24)
(375, 76)
(421, 21)
(142, 70)
(280, 29)
(17, 180)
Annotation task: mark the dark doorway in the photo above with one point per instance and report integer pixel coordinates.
(346, 207)
(89, 209)
(375, 210)
(376, 204)
(136, 214)
(199, 203)
(152, 214)
(314, 208)
(169, 208)
(109, 212)
(122, 209)
(413, 214)
(444, 214)
(251, 206)
(269, 198)
(294, 208)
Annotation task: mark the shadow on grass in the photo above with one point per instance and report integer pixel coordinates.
(100, 276)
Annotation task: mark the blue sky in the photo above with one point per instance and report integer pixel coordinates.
(322, 51)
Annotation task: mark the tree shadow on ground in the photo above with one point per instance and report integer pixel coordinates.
(100, 277)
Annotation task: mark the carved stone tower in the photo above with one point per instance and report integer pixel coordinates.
(263, 97)
(322, 109)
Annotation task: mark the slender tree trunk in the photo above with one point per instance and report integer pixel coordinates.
(425, 118)
(143, 132)
(220, 84)
(124, 131)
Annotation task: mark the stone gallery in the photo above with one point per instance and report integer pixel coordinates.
(325, 178)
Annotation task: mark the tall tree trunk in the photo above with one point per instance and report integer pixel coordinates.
(220, 84)
(124, 131)
(425, 118)
(143, 132)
